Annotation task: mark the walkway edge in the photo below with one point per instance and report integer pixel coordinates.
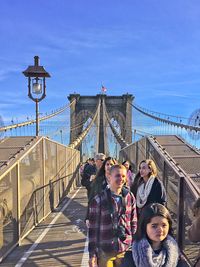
(85, 258)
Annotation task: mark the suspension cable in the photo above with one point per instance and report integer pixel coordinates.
(139, 132)
(185, 126)
(156, 112)
(57, 112)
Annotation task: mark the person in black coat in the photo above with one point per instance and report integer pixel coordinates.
(88, 171)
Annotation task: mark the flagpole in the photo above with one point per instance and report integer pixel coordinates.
(103, 89)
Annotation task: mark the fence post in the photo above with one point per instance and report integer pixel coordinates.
(44, 174)
(136, 155)
(180, 214)
(35, 212)
(147, 148)
(51, 195)
(18, 203)
(164, 175)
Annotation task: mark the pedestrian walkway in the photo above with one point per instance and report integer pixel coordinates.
(60, 240)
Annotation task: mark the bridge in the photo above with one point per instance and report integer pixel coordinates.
(42, 205)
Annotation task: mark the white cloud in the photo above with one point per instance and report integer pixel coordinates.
(7, 71)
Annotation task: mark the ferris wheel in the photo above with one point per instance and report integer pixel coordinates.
(1, 125)
(194, 120)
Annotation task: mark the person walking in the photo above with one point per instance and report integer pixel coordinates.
(149, 188)
(113, 221)
(100, 182)
(154, 245)
(88, 171)
(99, 159)
(102, 177)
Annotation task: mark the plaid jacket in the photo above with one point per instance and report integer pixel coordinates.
(101, 233)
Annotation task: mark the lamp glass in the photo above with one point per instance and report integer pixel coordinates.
(37, 86)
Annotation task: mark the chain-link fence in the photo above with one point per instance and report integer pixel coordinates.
(32, 187)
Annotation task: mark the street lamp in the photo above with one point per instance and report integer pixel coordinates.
(36, 85)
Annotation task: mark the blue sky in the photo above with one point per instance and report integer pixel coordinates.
(149, 48)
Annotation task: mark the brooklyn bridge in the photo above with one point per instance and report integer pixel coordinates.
(42, 202)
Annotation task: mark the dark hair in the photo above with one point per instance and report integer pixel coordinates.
(135, 184)
(147, 214)
(97, 184)
(125, 162)
(130, 167)
(138, 180)
(101, 171)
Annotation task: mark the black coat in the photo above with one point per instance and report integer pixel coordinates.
(157, 193)
(87, 172)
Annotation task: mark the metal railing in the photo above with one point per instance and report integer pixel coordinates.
(182, 192)
(29, 122)
(32, 187)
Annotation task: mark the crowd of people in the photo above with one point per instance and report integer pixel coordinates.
(127, 219)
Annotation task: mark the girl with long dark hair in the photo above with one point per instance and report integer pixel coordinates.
(102, 178)
(154, 245)
(100, 182)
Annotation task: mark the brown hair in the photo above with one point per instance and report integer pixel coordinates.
(138, 180)
(152, 166)
(116, 167)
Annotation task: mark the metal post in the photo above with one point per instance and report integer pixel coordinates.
(61, 137)
(134, 136)
(116, 149)
(136, 154)
(180, 215)
(37, 114)
(18, 203)
(43, 174)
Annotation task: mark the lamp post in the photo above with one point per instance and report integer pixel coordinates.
(36, 85)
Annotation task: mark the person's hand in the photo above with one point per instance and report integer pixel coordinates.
(92, 177)
(87, 223)
(93, 262)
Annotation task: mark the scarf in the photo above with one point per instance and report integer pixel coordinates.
(144, 191)
(144, 255)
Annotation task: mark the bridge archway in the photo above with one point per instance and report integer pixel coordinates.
(120, 120)
(117, 107)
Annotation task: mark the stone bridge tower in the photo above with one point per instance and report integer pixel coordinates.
(118, 108)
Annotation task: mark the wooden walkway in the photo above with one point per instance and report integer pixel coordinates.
(59, 240)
